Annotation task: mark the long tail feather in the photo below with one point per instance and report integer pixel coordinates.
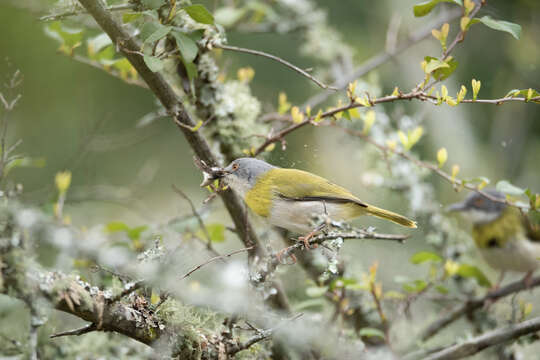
(388, 215)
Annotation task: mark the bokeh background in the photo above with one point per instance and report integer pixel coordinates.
(81, 119)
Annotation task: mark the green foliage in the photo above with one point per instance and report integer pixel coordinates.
(69, 38)
(371, 332)
(200, 14)
(424, 256)
(528, 94)
(425, 7)
(23, 162)
(129, 17)
(500, 25)
(414, 286)
(155, 64)
(506, 187)
(216, 232)
(134, 233)
(188, 48)
(471, 271)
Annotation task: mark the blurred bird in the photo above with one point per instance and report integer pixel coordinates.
(504, 236)
(290, 198)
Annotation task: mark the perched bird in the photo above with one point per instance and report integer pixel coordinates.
(505, 237)
(289, 198)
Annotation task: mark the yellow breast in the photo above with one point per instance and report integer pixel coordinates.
(498, 232)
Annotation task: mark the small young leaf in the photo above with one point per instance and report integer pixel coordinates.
(424, 256)
(200, 14)
(471, 271)
(442, 156)
(425, 7)
(216, 232)
(129, 17)
(371, 332)
(116, 226)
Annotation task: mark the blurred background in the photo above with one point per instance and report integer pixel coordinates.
(81, 119)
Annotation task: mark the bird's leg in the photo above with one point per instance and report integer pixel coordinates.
(527, 280)
(280, 253)
(305, 239)
(499, 282)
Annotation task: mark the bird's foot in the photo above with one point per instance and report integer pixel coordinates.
(307, 238)
(285, 251)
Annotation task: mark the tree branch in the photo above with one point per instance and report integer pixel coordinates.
(60, 16)
(384, 56)
(472, 305)
(495, 337)
(129, 46)
(278, 59)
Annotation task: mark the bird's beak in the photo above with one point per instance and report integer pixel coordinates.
(214, 174)
(460, 206)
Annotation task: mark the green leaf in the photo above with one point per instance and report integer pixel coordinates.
(434, 64)
(500, 25)
(526, 93)
(148, 29)
(216, 232)
(153, 63)
(68, 37)
(315, 291)
(200, 14)
(116, 226)
(188, 48)
(414, 286)
(424, 256)
(135, 233)
(160, 32)
(470, 271)
(129, 17)
(371, 332)
(444, 72)
(506, 187)
(442, 289)
(97, 43)
(425, 7)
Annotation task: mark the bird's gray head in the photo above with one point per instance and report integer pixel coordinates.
(242, 173)
(480, 209)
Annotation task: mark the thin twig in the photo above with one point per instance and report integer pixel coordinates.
(59, 16)
(97, 65)
(128, 289)
(381, 58)
(474, 304)
(454, 181)
(77, 332)
(495, 337)
(279, 60)
(220, 257)
(195, 213)
(261, 335)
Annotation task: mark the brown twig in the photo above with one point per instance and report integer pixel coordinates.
(278, 59)
(261, 335)
(60, 16)
(196, 214)
(77, 332)
(492, 338)
(220, 257)
(470, 306)
(383, 57)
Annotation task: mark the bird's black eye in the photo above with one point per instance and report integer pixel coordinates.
(493, 243)
(235, 166)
